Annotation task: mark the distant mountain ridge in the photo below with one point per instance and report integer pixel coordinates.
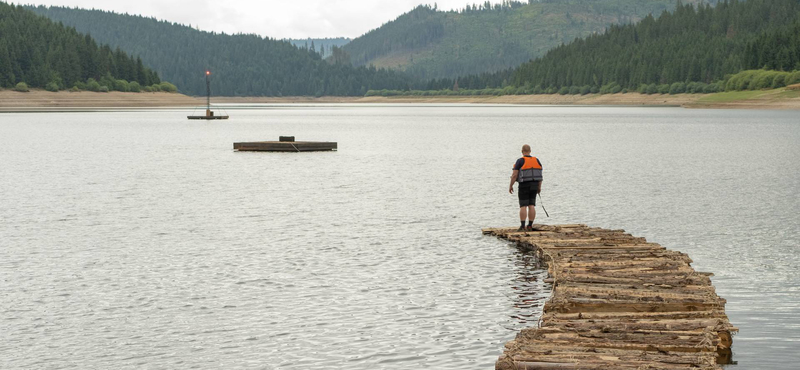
(241, 65)
(691, 44)
(429, 43)
(322, 47)
(735, 45)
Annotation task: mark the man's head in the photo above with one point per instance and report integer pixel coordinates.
(526, 149)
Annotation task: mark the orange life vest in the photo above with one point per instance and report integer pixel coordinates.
(531, 170)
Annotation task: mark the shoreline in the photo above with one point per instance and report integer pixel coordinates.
(43, 101)
(46, 101)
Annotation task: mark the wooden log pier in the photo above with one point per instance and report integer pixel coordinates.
(618, 302)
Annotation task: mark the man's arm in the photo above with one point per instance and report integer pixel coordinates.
(539, 190)
(513, 180)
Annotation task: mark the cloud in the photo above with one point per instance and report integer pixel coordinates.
(273, 18)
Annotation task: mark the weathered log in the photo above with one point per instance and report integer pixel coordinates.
(618, 302)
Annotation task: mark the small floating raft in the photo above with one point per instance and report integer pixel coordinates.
(619, 302)
(209, 115)
(286, 144)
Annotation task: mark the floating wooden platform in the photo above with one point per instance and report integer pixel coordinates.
(618, 302)
(286, 146)
(207, 117)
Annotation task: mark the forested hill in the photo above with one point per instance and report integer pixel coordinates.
(42, 53)
(242, 65)
(777, 49)
(428, 43)
(702, 44)
(323, 47)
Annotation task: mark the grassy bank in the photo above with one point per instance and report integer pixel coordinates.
(748, 80)
(783, 98)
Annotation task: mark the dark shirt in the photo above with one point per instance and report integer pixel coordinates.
(521, 162)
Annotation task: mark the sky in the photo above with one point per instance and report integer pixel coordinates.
(274, 18)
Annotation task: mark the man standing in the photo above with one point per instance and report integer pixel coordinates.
(528, 172)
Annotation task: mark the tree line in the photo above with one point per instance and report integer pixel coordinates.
(777, 49)
(37, 52)
(430, 43)
(691, 44)
(691, 49)
(241, 64)
(323, 47)
(757, 79)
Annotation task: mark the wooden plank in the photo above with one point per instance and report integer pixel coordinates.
(618, 302)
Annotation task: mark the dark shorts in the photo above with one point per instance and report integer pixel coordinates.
(527, 193)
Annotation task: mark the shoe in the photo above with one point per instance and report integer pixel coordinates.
(521, 229)
(529, 228)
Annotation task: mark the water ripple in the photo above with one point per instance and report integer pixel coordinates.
(139, 239)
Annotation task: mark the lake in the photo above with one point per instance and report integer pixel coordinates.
(139, 239)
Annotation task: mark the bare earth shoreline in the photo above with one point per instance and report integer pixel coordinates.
(39, 100)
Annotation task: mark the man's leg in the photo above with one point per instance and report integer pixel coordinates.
(531, 215)
(524, 202)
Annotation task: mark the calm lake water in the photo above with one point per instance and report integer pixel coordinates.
(141, 240)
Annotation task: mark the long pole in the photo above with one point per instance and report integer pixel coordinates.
(208, 92)
(542, 203)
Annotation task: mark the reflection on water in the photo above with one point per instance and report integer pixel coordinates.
(141, 240)
(529, 289)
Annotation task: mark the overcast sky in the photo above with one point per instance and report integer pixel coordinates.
(273, 18)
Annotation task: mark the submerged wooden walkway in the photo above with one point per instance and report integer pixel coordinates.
(618, 302)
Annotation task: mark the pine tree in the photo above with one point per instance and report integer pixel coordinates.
(39, 52)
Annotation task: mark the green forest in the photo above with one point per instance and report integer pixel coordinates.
(691, 44)
(430, 43)
(777, 49)
(241, 64)
(37, 52)
(691, 49)
(696, 47)
(323, 47)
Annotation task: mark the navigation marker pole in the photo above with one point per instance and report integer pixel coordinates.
(208, 94)
(209, 114)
